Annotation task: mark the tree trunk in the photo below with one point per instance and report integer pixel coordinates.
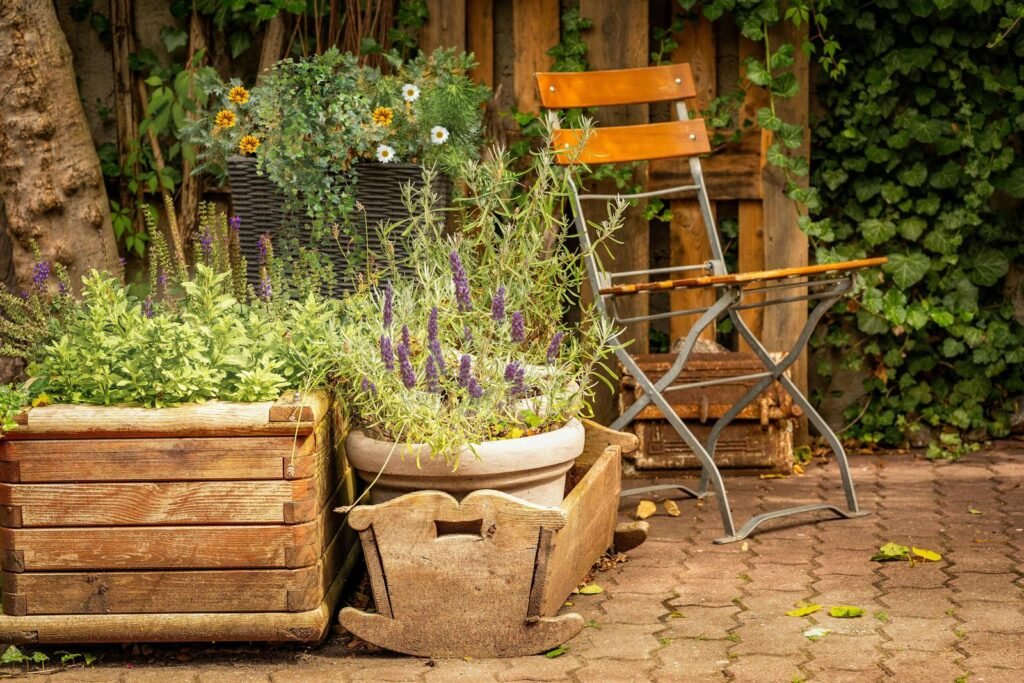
(51, 187)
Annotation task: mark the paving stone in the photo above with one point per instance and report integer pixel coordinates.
(918, 633)
(232, 675)
(708, 592)
(843, 652)
(650, 581)
(463, 670)
(900, 575)
(162, 674)
(917, 602)
(619, 641)
(841, 590)
(994, 650)
(990, 675)
(844, 562)
(768, 576)
(766, 603)
(701, 622)
(760, 668)
(614, 670)
(834, 537)
(539, 668)
(299, 674)
(632, 608)
(909, 665)
(692, 660)
(654, 553)
(983, 559)
(996, 587)
(771, 635)
(866, 675)
(782, 551)
(715, 566)
(985, 616)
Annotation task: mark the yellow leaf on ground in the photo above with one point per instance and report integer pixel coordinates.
(671, 508)
(798, 469)
(929, 555)
(591, 589)
(803, 611)
(975, 512)
(773, 475)
(645, 508)
(846, 611)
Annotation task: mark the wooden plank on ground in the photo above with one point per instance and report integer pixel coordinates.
(591, 511)
(445, 27)
(535, 30)
(688, 240)
(480, 38)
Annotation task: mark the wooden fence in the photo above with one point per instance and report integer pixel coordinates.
(740, 183)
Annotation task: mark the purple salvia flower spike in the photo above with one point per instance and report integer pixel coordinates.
(266, 289)
(554, 347)
(206, 243)
(263, 247)
(405, 366)
(498, 305)
(438, 356)
(368, 387)
(461, 282)
(147, 307)
(474, 388)
(465, 370)
(467, 336)
(40, 274)
(432, 325)
(389, 305)
(432, 380)
(405, 337)
(510, 371)
(519, 385)
(235, 222)
(387, 353)
(518, 326)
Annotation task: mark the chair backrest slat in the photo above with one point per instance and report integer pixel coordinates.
(614, 144)
(622, 86)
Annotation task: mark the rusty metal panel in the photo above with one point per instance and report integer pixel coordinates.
(760, 437)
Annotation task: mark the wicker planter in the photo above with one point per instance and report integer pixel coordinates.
(258, 201)
(198, 523)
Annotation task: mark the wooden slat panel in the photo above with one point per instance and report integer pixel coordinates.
(534, 32)
(445, 27)
(47, 461)
(746, 278)
(751, 259)
(214, 418)
(614, 144)
(480, 38)
(732, 172)
(615, 86)
(170, 547)
(591, 511)
(688, 239)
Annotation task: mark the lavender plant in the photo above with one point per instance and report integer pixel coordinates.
(473, 345)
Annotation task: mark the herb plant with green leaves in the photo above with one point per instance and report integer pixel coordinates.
(472, 346)
(917, 155)
(309, 123)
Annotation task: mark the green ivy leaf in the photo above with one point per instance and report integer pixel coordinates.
(907, 269)
(988, 267)
(914, 176)
(946, 177)
(876, 231)
(912, 228)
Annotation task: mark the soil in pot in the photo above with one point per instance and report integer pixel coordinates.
(533, 468)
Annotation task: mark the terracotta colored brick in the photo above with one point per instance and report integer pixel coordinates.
(771, 635)
(995, 650)
(632, 608)
(760, 668)
(539, 668)
(900, 575)
(844, 652)
(462, 670)
(619, 641)
(996, 587)
(701, 622)
(917, 633)
(692, 660)
(986, 616)
(614, 670)
(708, 592)
(767, 576)
(917, 602)
(909, 665)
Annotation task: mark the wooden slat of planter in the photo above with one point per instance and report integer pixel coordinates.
(591, 513)
(158, 503)
(307, 626)
(286, 416)
(154, 459)
(170, 547)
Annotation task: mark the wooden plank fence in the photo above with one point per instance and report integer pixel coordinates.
(740, 183)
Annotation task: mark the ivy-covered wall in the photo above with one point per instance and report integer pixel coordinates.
(917, 155)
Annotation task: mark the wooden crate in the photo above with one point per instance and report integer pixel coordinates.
(487, 576)
(761, 437)
(203, 522)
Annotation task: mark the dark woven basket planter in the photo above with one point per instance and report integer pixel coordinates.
(259, 203)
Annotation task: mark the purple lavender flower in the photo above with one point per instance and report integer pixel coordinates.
(389, 305)
(518, 327)
(510, 371)
(206, 243)
(266, 290)
(405, 366)
(368, 387)
(161, 280)
(461, 282)
(387, 354)
(62, 287)
(25, 295)
(147, 307)
(432, 325)
(554, 347)
(467, 336)
(40, 274)
(263, 248)
(405, 337)
(498, 305)
(519, 383)
(235, 222)
(474, 388)
(438, 356)
(432, 380)
(465, 370)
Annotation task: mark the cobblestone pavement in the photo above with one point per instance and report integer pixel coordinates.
(683, 609)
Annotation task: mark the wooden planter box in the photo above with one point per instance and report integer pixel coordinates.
(487, 576)
(202, 522)
(761, 436)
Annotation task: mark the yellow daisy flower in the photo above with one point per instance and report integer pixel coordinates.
(248, 144)
(238, 95)
(383, 116)
(225, 118)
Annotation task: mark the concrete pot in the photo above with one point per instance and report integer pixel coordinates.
(532, 467)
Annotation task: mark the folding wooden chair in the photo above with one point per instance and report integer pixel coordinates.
(688, 138)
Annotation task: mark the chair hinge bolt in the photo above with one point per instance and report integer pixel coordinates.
(679, 81)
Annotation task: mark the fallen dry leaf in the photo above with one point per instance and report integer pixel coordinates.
(591, 589)
(672, 508)
(645, 508)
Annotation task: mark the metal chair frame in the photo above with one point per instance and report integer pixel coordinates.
(729, 302)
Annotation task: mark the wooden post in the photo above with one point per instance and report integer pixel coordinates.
(785, 244)
(751, 211)
(534, 32)
(446, 26)
(480, 38)
(688, 240)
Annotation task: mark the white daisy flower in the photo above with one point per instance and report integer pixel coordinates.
(410, 93)
(439, 135)
(385, 154)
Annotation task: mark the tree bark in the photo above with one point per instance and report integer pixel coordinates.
(51, 187)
